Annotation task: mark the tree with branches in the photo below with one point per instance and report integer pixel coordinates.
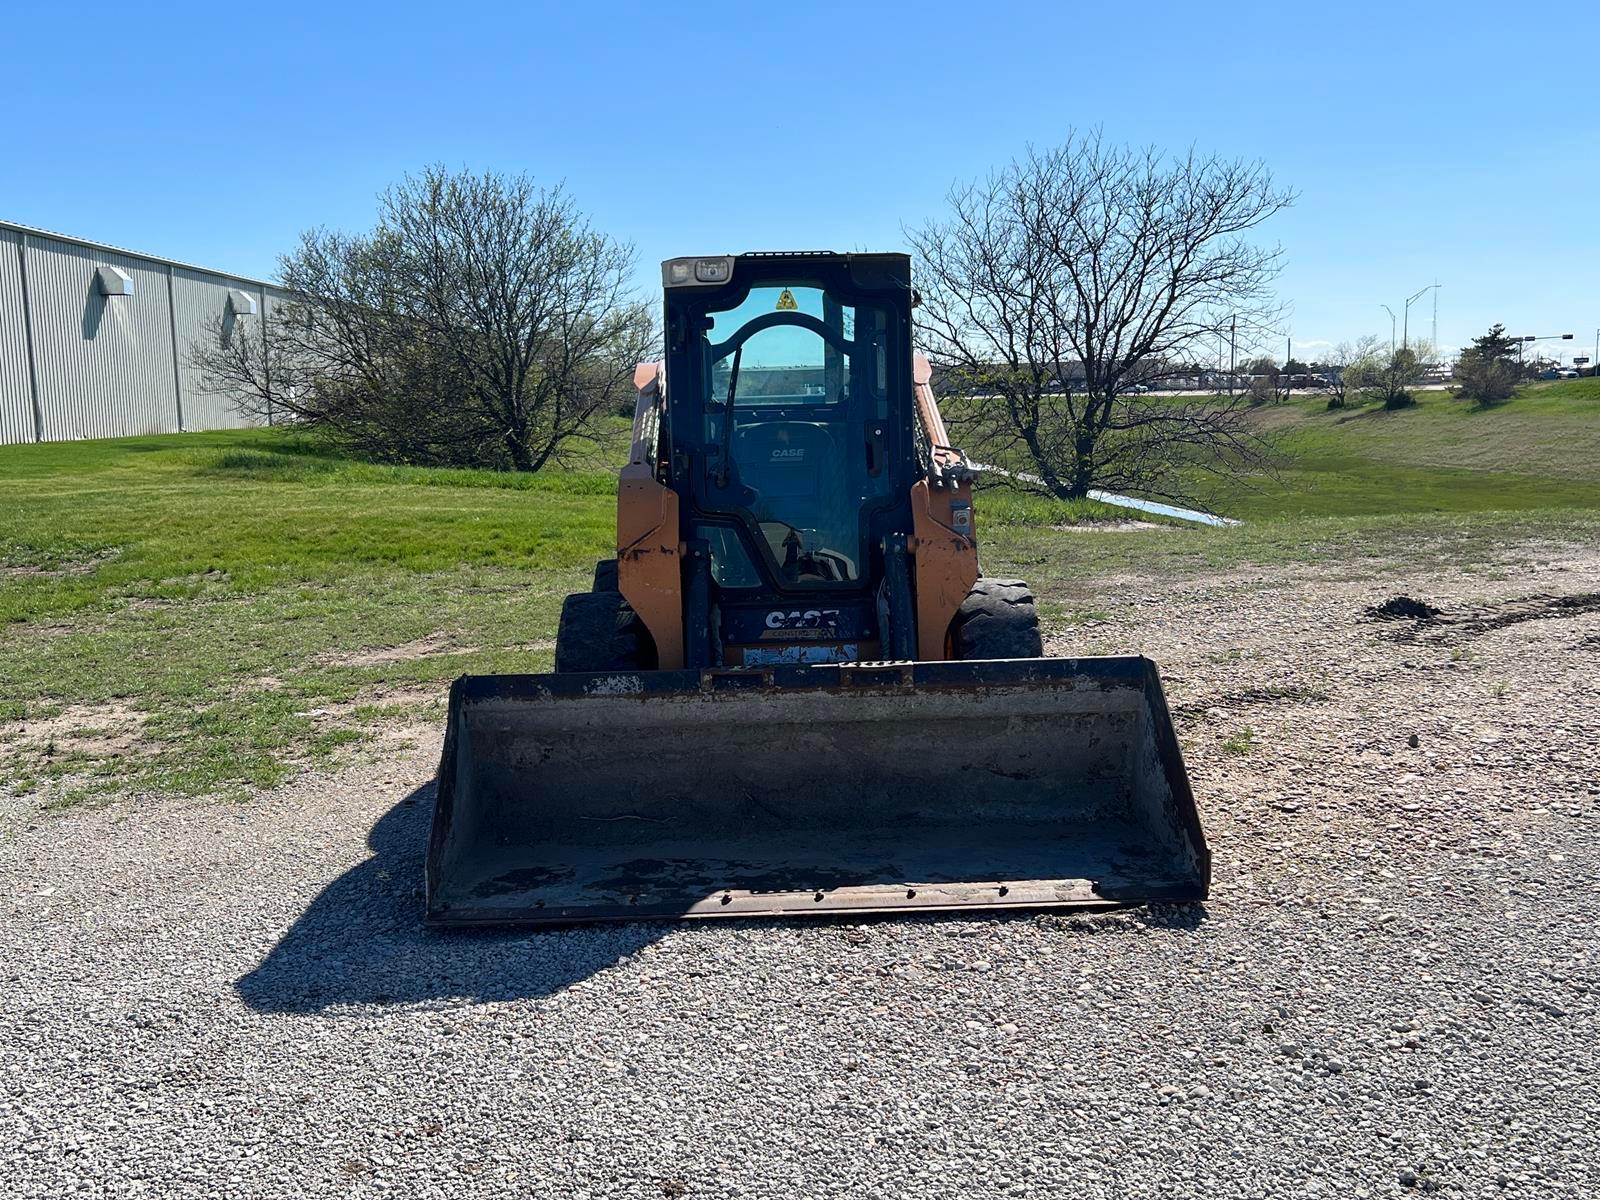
(482, 322)
(1339, 360)
(1073, 276)
(1264, 380)
(1389, 376)
(245, 359)
(1486, 371)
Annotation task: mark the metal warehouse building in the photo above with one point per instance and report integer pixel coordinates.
(95, 341)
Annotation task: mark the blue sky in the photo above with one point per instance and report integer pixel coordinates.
(1455, 141)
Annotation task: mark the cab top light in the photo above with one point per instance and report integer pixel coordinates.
(690, 272)
(713, 270)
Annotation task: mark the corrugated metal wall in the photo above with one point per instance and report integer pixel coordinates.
(107, 366)
(16, 389)
(203, 315)
(99, 360)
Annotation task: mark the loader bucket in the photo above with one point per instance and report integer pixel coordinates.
(838, 790)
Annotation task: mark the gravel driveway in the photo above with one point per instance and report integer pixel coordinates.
(1392, 990)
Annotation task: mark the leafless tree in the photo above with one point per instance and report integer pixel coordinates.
(1071, 277)
(482, 322)
(1265, 382)
(248, 360)
(1333, 368)
(1388, 375)
(1340, 359)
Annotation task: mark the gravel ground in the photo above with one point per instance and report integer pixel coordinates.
(1392, 990)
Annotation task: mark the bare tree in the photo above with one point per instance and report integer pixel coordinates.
(482, 322)
(1339, 361)
(1075, 274)
(1334, 364)
(248, 360)
(1387, 375)
(1264, 381)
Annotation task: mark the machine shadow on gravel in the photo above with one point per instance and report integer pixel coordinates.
(362, 940)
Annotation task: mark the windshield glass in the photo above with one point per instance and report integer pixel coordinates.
(806, 449)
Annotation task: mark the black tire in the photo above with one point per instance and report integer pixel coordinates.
(599, 632)
(605, 575)
(998, 620)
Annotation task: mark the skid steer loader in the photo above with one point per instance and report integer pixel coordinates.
(793, 691)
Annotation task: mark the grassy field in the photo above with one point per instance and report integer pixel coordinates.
(227, 586)
(205, 613)
(1541, 450)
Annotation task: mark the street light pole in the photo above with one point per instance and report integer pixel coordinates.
(1390, 311)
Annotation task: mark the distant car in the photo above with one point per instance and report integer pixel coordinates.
(1552, 373)
(1569, 373)
(1137, 389)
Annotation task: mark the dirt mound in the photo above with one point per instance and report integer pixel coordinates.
(1404, 608)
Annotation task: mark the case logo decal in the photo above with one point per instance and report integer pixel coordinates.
(809, 618)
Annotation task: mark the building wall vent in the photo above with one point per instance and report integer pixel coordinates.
(113, 281)
(243, 304)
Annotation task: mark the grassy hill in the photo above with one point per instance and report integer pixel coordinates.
(1540, 450)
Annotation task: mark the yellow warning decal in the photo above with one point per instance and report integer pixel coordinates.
(786, 301)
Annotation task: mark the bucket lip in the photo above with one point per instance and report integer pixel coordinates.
(842, 904)
(1108, 672)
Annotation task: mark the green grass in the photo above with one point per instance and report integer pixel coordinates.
(1445, 485)
(212, 582)
(1540, 450)
(999, 504)
(215, 600)
(1241, 742)
(187, 516)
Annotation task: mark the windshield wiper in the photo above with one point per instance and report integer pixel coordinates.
(727, 420)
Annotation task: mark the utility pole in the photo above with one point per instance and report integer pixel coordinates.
(1390, 311)
(1233, 349)
(1436, 318)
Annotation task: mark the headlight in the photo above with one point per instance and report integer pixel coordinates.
(713, 270)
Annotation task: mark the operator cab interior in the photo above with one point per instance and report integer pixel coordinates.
(802, 372)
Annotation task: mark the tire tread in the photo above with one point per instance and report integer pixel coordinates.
(998, 619)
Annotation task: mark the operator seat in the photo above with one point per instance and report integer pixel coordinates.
(799, 474)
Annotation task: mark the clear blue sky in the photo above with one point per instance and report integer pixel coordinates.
(1450, 140)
